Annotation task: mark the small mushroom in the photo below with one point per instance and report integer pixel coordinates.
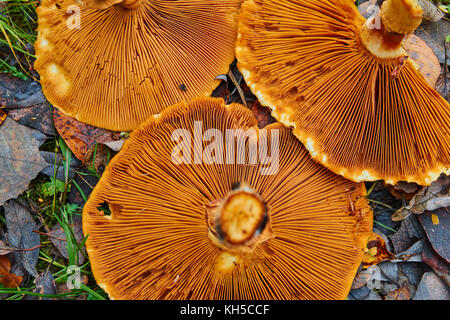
(347, 86)
(114, 63)
(164, 229)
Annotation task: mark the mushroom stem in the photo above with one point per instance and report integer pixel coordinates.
(105, 4)
(239, 220)
(383, 33)
(241, 216)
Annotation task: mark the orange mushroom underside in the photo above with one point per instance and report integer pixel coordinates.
(156, 241)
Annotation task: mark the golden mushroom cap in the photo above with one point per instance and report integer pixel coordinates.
(362, 115)
(115, 67)
(161, 239)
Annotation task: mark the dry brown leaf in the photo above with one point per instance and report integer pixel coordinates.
(80, 137)
(7, 279)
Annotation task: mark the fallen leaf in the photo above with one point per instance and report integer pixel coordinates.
(115, 145)
(428, 198)
(401, 293)
(438, 233)
(439, 265)
(5, 249)
(430, 11)
(431, 287)
(406, 234)
(49, 157)
(80, 137)
(20, 226)
(424, 58)
(102, 154)
(20, 160)
(434, 35)
(404, 190)
(45, 284)
(7, 279)
(38, 117)
(376, 251)
(58, 238)
(412, 254)
(390, 270)
(16, 93)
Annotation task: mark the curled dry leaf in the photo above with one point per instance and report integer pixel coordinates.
(20, 160)
(376, 251)
(7, 279)
(428, 198)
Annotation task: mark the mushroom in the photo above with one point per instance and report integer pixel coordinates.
(113, 63)
(347, 86)
(162, 228)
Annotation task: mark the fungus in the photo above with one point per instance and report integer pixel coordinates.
(212, 230)
(347, 87)
(112, 63)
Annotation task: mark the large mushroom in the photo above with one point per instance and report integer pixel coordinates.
(163, 223)
(347, 86)
(112, 63)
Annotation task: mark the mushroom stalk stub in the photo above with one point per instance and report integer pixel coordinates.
(240, 220)
(383, 33)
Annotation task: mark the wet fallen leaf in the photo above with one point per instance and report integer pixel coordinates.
(38, 117)
(7, 279)
(438, 233)
(431, 287)
(59, 239)
(20, 161)
(424, 58)
(21, 235)
(16, 93)
(80, 137)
